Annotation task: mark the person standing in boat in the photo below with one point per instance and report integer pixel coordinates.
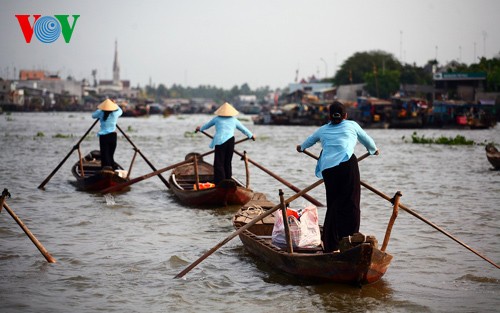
(223, 141)
(107, 112)
(338, 166)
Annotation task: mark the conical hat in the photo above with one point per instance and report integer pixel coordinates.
(226, 110)
(108, 105)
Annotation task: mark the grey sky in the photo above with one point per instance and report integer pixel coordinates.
(260, 42)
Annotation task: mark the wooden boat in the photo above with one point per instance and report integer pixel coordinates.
(493, 155)
(94, 178)
(183, 185)
(356, 263)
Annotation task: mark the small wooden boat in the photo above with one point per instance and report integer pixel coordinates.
(493, 155)
(93, 177)
(359, 261)
(183, 184)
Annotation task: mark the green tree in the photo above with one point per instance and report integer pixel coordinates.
(161, 91)
(414, 75)
(382, 85)
(353, 70)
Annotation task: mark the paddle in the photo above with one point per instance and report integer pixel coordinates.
(283, 181)
(408, 210)
(37, 243)
(143, 156)
(243, 228)
(67, 156)
(143, 177)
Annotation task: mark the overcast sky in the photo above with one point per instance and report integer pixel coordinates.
(225, 43)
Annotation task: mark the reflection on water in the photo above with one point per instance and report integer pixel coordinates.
(120, 252)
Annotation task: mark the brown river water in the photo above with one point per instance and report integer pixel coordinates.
(119, 253)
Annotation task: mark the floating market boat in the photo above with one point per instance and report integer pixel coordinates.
(358, 261)
(193, 184)
(90, 176)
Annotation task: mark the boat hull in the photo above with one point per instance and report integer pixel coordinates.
(493, 156)
(226, 193)
(183, 184)
(360, 264)
(94, 178)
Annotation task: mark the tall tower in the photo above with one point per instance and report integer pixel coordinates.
(116, 67)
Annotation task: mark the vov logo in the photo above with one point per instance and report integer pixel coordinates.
(47, 29)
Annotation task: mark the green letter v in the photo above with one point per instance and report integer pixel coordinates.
(67, 30)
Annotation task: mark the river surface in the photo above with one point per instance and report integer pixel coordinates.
(119, 253)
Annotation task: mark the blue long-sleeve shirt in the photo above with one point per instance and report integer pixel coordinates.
(338, 142)
(224, 129)
(109, 125)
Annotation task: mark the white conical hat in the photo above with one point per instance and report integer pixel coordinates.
(226, 110)
(107, 105)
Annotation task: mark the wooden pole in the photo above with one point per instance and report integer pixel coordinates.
(67, 156)
(195, 162)
(143, 156)
(81, 162)
(283, 181)
(245, 227)
(288, 236)
(32, 237)
(131, 164)
(395, 201)
(247, 170)
(408, 210)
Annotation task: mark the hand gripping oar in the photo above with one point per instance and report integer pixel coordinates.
(283, 181)
(75, 147)
(403, 207)
(32, 237)
(245, 227)
(143, 156)
(157, 172)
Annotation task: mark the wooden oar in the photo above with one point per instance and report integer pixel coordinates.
(281, 180)
(37, 243)
(143, 156)
(67, 156)
(245, 227)
(408, 210)
(143, 177)
(428, 223)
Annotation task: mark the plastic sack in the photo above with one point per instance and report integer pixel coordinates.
(305, 232)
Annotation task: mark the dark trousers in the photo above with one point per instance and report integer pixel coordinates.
(107, 144)
(222, 161)
(343, 194)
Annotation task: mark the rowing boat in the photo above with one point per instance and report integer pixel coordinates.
(359, 261)
(90, 176)
(193, 184)
(493, 156)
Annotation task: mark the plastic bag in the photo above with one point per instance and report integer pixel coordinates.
(305, 231)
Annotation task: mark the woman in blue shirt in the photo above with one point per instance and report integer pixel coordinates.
(338, 167)
(107, 113)
(225, 124)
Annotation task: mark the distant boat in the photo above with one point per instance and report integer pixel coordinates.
(294, 114)
(493, 155)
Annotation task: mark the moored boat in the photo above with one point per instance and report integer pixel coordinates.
(493, 156)
(359, 260)
(90, 176)
(193, 184)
